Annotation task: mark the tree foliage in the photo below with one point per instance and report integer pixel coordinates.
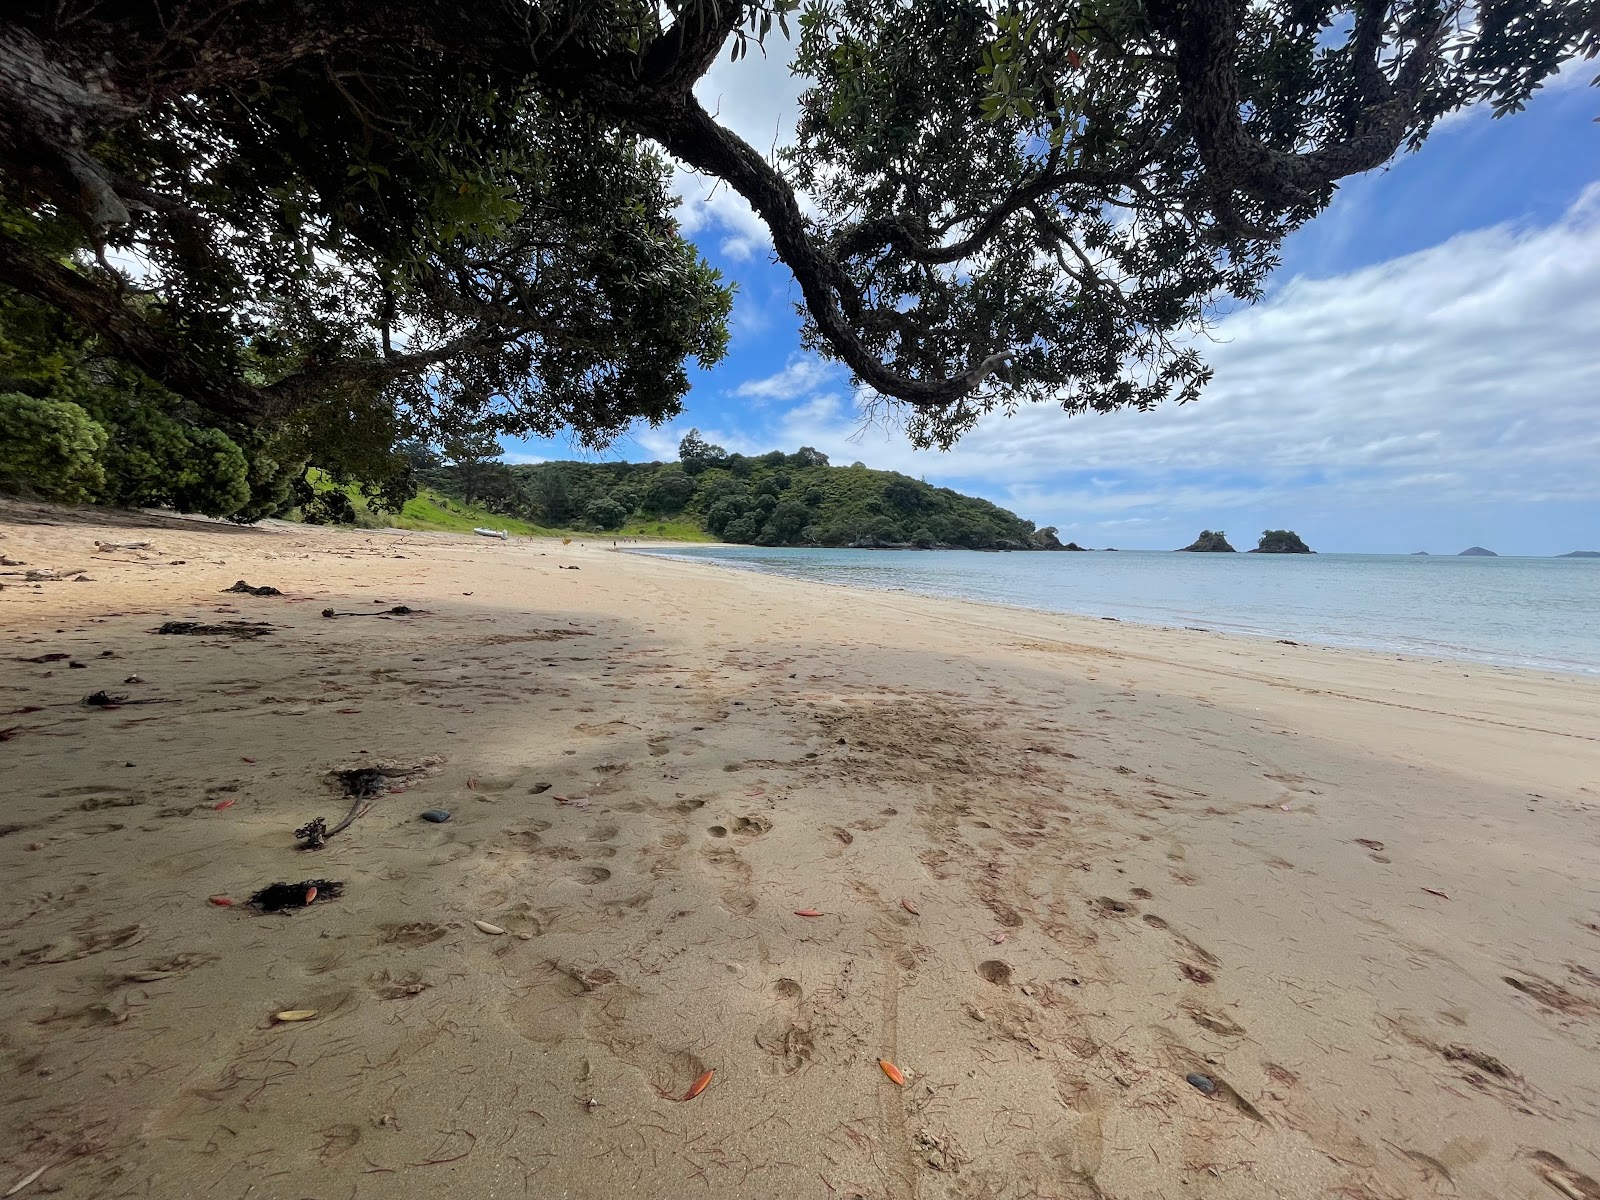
(50, 447)
(373, 222)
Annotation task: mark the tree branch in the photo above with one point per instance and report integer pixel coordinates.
(895, 233)
(169, 360)
(1205, 34)
(686, 130)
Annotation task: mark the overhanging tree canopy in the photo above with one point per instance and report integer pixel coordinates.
(448, 205)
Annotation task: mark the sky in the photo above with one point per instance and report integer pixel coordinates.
(1423, 373)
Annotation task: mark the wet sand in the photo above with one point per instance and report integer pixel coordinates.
(1062, 867)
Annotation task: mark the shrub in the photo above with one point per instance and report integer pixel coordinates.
(50, 447)
(605, 513)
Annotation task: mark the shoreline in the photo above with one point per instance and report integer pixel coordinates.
(1060, 867)
(1487, 659)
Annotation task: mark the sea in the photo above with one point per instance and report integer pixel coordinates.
(1541, 613)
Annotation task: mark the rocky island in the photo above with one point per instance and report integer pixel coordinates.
(1281, 541)
(1580, 554)
(1477, 552)
(1209, 542)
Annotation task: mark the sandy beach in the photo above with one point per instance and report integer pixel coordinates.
(1135, 913)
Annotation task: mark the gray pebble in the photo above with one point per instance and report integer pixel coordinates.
(1203, 1082)
(437, 815)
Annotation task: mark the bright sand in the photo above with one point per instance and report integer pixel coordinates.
(1061, 864)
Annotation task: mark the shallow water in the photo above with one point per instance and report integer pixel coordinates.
(1535, 612)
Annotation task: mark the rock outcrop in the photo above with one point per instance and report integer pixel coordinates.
(1209, 542)
(1281, 541)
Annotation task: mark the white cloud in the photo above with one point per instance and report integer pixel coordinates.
(1465, 374)
(803, 376)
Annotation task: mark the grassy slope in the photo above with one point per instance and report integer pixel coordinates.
(429, 510)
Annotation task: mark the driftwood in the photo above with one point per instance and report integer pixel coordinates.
(102, 547)
(48, 574)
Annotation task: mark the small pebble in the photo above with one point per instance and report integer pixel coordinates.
(437, 815)
(1203, 1083)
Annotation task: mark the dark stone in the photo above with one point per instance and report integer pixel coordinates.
(437, 815)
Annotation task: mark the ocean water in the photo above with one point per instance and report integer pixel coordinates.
(1531, 612)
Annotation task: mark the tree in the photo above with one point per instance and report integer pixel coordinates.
(470, 452)
(605, 513)
(667, 493)
(808, 457)
(695, 449)
(1011, 200)
(786, 520)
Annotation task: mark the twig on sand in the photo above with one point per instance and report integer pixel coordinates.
(27, 1179)
(472, 1140)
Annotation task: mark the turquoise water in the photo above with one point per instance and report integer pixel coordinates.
(1534, 612)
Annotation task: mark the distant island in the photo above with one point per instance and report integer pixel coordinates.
(1209, 542)
(1281, 541)
(1580, 554)
(1273, 541)
(1478, 552)
(1414, 553)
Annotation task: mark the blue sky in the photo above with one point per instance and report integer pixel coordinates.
(1423, 374)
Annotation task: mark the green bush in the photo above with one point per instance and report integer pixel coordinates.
(745, 529)
(605, 513)
(50, 447)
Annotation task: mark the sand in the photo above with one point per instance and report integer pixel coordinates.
(1060, 865)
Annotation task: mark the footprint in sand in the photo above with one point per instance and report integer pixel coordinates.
(1106, 906)
(750, 827)
(402, 985)
(587, 875)
(1218, 1023)
(82, 945)
(413, 933)
(838, 839)
(616, 1016)
(996, 971)
(1194, 950)
(557, 1003)
(786, 1035)
(733, 875)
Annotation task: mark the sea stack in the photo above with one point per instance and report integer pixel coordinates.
(1209, 543)
(1281, 541)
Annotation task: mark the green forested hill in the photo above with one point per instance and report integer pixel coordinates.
(774, 499)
